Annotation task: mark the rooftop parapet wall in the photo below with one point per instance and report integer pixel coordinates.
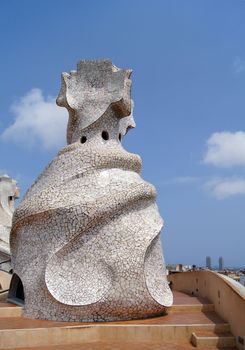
(228, 299)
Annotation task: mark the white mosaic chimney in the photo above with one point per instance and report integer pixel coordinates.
(9, 192)
(86, 237)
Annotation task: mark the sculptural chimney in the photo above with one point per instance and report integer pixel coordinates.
(9, 192)
(86, 237)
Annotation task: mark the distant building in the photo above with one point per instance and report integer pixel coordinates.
(208, 262)
(179, 267)
(221, 263)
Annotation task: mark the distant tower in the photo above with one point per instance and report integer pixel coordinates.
(221, 263)
(208, 262)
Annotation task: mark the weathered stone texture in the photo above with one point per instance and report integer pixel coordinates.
(86, 237)
(8, 193)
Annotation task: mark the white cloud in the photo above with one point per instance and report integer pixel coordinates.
(239, 65)
(226, 149)
(38, 121)
(224, 188)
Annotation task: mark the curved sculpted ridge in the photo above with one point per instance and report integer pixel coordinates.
(8, 193)
(86, 238)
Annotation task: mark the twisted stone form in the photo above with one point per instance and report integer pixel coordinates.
(9, 192)
(86, 238)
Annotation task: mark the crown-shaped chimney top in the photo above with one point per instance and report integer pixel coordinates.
(91, 90)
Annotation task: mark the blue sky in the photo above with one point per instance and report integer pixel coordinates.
(188, 61)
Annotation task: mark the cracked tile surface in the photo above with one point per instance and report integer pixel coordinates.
(86, 238)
